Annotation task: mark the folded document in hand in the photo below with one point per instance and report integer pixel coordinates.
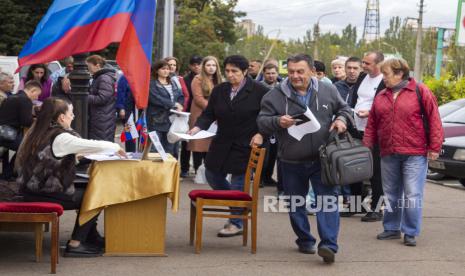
(300, 129)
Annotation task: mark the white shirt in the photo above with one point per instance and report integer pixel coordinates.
(169, 88)
(66, 143)
(366, 94)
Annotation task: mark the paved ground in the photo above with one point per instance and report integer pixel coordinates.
(440, 249)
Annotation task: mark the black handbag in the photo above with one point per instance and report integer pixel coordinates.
(8, 133)
(344, 160)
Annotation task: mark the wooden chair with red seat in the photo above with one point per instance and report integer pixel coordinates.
(208, 203)
(37, 213)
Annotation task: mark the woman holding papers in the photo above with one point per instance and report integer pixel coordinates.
(164, 95)
(46, 165)
(234, 105)
(202, 86)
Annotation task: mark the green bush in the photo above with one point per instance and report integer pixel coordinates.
(447, 88)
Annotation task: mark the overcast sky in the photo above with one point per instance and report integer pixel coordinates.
(294, 17)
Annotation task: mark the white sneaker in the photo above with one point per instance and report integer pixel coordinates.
(229, 230)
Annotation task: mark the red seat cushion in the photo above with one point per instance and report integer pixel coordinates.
(31, 207)
(220, 194)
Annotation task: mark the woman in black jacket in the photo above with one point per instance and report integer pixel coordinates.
(164, 95)
(102, 99)
(234, 105)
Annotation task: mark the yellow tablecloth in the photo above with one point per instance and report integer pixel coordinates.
(114, 182)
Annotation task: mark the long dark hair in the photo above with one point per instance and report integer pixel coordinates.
(51, 109)
(30, 75)
(159, 64)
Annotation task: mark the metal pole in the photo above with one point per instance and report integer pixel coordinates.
(440, 46)
(79, 78)
(317, 32)
(417, 68)
(168, 28)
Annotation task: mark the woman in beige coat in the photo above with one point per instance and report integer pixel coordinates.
(201, 86)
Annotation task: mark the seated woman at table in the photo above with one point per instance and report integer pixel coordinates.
(46, 165)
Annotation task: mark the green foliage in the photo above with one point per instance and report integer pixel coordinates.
(447, 88)
(17, 23)
(204, 28)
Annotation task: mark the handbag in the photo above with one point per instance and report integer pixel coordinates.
(423, 113)
(344, 160)
(8, 133)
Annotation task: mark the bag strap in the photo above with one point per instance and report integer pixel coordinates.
(423, 113)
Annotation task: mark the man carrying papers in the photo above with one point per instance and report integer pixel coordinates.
(298, 148)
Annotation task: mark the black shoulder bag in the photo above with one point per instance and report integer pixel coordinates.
(423, 113)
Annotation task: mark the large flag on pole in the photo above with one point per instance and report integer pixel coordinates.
(72, 27)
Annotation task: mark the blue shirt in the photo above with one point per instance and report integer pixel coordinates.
(304, 99)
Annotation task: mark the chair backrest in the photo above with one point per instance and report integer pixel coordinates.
(254, 168)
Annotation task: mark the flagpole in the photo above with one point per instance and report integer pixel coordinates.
(136, 115)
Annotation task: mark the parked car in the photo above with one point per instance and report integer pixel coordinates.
(451, 161)
(453, 121)
(52, 67)
(10, 64)
(450, 107)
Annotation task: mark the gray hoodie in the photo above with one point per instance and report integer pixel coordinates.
(325, 103)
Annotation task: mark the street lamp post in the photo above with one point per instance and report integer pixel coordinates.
(316, 32)
(79, 78)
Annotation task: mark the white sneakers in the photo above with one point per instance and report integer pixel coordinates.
(229, 230)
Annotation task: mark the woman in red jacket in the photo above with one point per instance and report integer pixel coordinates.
(397, 123)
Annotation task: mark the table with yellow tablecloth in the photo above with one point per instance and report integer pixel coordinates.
(133, 194)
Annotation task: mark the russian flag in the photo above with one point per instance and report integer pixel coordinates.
(141, 126)
(129, 131)
(72, 27)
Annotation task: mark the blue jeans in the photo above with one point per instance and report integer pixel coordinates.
(296, 183)
(218, 181)
(403, 178)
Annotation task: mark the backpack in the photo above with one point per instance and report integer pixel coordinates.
(344, 160)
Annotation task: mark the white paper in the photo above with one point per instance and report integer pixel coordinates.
(156, 142)
(213, 127)
(309, 127)
(113, 157)
(180, 112)
(82, 175)
(199, 135)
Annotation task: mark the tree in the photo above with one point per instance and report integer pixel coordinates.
(18, 22)
(204, 27)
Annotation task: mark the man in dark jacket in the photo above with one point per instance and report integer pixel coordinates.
(16, 112)
(102, 117)
(300, 158)
(368, 85)
(353, 67)
(194, 69)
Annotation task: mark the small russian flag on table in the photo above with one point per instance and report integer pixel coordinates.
(130, 131)
(141, 126)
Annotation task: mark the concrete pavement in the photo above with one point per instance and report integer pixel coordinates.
(440, 249)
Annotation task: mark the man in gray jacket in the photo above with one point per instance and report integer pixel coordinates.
(300, 159)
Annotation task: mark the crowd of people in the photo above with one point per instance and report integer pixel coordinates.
(252, 105)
